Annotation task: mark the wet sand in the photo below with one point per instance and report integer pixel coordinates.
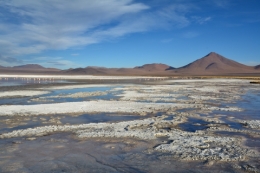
(175, 127)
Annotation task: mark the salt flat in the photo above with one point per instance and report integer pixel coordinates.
(166, 107)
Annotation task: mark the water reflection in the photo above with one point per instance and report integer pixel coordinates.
(23, 81)
(57, 96)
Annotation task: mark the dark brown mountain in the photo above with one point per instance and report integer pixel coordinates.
(81, 71)
(30, 66)
(257, 67)
(148, 69)
(154, 67)
(28, 69)
(214, 63)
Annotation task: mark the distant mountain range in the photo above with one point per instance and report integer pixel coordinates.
(27, 69)
(29, 66)
(211, 64)
(147, 69)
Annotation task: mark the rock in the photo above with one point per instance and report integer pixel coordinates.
(209, 163)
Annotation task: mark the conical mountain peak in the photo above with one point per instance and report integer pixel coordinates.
(215, 56)
(214, 63)
(212, 53)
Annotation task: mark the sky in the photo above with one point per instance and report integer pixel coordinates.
(127, 33)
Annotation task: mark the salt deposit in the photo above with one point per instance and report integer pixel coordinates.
(22, 93)
(253, 124)
(81, 107)
(80, 94)
(169, 105)
(184, 145)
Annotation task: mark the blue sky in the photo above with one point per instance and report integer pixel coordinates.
(127, 33)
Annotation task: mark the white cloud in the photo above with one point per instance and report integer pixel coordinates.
(61, 63)
(167, 40)
(221, 3)
(49, 61)
(201, 20)
(176, 14)
(190, 34)
(7, 61)
(34, 26)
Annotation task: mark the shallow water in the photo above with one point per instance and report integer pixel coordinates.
(232, 124)
(15, 101)
(53, 97)
(193, 124)
(251, 104)
(8, 124)
(107, 96)
(169, 118)
(250, 141)
(32, 122)
(19, 81)
(60, 152)
(29, 125)
(98, 118)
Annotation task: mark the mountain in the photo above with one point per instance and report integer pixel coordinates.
(30, 66)
(154, 67)
(214, 63)
(147, 69)
(257, 67)
(211, 64)
(87, 70)
(28, 69)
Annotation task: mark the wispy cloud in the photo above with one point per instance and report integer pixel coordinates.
(190, 34)
(221, 3)
(7, 61)
(62, 63)
(33, 26)
(167, 40)
(50, 61)
(201, 20)
(30, 26)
